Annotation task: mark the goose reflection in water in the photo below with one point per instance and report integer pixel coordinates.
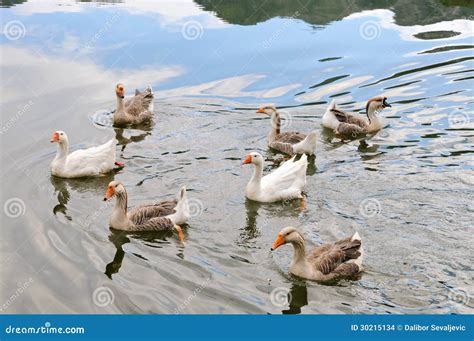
(297, 298)
(118, 238)
(63, 187)
(124, 141)
(149, 238)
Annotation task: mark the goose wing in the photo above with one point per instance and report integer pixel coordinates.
(139, 103)
(101, 158)
(290, 137)
(155, 224)
(349, 129)
(332, 257)
(286, 148)
(141, 214)
(285, 176)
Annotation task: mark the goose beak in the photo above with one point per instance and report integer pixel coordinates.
(54, 138)
(247, 160)
(261, 111)
(109, 194)
(385, 104)
(278, 242)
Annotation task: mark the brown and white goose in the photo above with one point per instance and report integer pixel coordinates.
(135, 110)
(162, 216)
(328, 262)
(290, 142)
(344, 123)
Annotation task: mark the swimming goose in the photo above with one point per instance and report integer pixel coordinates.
(290, 142)
(344, 123)
(162, 216)
(328, 262)
(136, 110)
(286, 182)
(95, 161)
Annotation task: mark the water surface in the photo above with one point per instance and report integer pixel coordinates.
(407, 189)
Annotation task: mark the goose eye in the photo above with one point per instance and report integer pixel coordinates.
(61, 134)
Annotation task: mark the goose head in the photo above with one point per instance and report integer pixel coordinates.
(59, 137)
(114, 188)
(253, 157)
(287, 235)
(120, 90)
(267, 110)
(377, 104)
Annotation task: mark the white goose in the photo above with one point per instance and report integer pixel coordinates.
(286, 182)
(95, 161)
(135, 110)
(344, 123)
(328, 262)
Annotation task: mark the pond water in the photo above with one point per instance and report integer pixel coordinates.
(407, 190)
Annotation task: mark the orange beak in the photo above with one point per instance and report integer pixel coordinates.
(120, 92)
(247, 160)
(54, 138)
(109, 194)
(261, 111)
(278, 242)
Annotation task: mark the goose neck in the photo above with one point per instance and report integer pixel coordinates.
(62, 152)
(257, 174)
